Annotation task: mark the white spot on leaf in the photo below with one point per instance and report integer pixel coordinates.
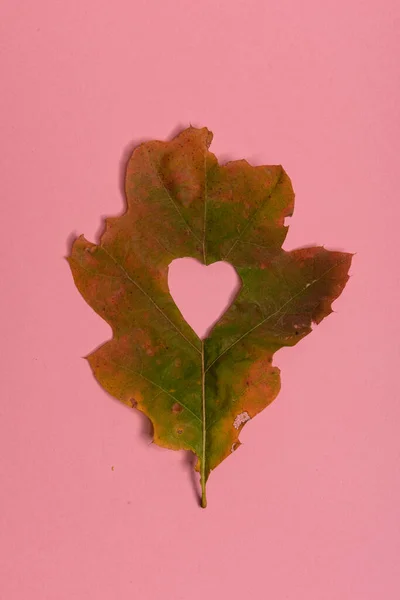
(240, 419)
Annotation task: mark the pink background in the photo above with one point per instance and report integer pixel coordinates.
(308, 508)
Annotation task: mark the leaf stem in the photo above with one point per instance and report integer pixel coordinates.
(203, 494)
(204, 430)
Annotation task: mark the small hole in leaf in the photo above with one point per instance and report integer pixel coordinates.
(234, 446)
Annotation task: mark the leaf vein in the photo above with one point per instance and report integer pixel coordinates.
(255, 214)
(307, 286)
(160, 179)
(159, 387)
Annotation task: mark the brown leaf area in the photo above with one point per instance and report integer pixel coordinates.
(181, 202)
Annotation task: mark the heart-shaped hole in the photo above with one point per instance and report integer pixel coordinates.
(202, 292)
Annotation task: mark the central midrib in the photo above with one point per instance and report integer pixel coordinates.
(203, 372)
(203, 436)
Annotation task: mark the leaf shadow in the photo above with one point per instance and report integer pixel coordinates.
(253, 160)
(223, 159)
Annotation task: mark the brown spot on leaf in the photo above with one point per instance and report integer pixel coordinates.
(177, 408)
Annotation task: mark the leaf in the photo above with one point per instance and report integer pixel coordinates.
(181, 202)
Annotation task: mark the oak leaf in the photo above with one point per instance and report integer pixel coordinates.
(181, 203)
